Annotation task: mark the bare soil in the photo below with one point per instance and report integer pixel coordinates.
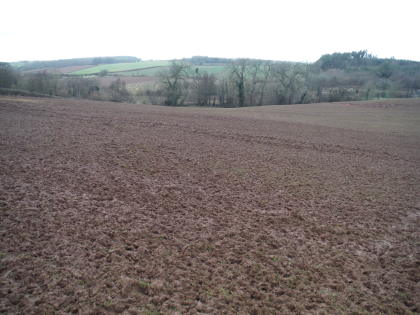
(106, 81)
(133, 83)
(67, 69)
(116, 208)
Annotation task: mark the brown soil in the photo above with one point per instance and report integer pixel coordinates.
(67, 69)
(114, 208)
(106, 81)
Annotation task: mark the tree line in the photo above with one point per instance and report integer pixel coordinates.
(337, 77)
(51, 84)
(247, 83)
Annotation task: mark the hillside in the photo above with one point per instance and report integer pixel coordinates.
(122, 67)
(74, 62)
(207, 81)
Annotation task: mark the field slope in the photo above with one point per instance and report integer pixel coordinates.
(115, 208)
(119, 67)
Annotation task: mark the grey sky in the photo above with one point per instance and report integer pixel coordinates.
(294, 30)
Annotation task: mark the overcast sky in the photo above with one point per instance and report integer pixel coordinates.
(294, 30)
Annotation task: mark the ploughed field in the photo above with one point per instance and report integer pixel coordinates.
(115, 208)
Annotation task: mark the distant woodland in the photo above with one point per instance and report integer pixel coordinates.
(206, 81)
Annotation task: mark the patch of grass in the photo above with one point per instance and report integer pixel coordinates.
(218, 292)
(224, 292)
(207, 247)
(149, 72)
(143, 284)
(108, 303)
(240, 171)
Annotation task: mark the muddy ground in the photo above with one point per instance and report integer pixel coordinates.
(112, 208)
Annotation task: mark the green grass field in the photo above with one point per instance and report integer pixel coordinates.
(146, 68)
(149, 72)
(216, 70)
(117, 67)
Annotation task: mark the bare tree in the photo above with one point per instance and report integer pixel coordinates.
(79, 87)
(289, 82)
(266, 72)
(40, 82)
(173, 81)
(238, 69)
(119, 92)
(204, 86)
(7, 75)
(254, 72)
(224, 93)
